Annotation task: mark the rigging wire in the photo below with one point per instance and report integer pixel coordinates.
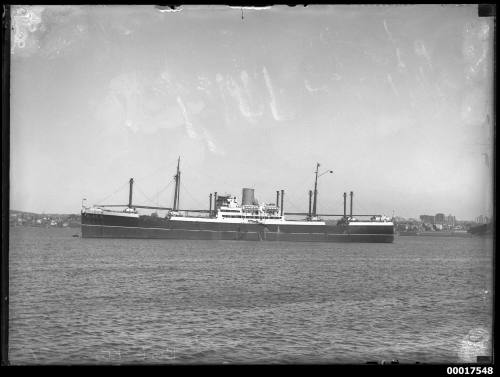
(211, 178)
(288, 201)
(359, 208)
(157, 194)
(140, 178)
(171, 163)
(306, 183)
(143, 194)
(190, 195)
(115, 192)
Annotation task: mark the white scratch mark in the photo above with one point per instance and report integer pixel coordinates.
(244, 78)
(131, 125)
(388, 32)
(311, 89)
(421, 50)
(269, 86)
(220, 85)
(209, 140)
(401, 65)
(251, 8)
(168, 9)
(322, 35)
(189, 126)
(203, 84)
(476, 66)
(412, 100)
(476, 343)
(422, 75)
(375, 58)
(25, 20)
(389, 78)
(440, 92)
(242, 97)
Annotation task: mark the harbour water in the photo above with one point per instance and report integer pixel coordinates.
(88, 301)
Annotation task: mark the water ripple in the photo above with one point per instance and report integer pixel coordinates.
(82, 301)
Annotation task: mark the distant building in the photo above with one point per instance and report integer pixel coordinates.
(427, 219)
(451, 220)
(439, 218)
(482, 219)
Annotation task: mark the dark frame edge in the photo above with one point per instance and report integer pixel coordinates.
(6, 46)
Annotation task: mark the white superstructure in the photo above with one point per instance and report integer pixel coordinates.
(232, 212)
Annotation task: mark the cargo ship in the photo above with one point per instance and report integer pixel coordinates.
(226, 219)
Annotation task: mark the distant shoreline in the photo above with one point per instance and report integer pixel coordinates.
(444, 234)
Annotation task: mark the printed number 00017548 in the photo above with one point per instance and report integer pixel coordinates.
(469, 370)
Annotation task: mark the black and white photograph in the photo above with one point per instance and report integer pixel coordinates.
(221, 185)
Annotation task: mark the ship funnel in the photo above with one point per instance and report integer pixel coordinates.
(345, 203)
(282, 198)
(247, 197)
(131, 185)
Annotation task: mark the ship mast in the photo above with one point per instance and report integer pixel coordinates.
(315, 200)
(315, 190)
(177, 178)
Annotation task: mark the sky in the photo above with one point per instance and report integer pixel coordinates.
(395, 100)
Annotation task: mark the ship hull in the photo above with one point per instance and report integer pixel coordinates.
(147, 227)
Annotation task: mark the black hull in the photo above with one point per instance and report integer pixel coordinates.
(147, 227)
(480, 230)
